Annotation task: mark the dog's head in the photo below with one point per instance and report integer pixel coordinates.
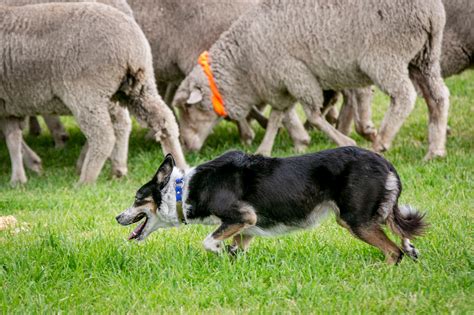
(155, 203)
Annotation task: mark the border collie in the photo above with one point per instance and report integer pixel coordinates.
(252, 195)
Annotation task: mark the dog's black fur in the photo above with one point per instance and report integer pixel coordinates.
(287, 191)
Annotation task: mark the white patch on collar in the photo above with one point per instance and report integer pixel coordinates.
(167, 210)
(187, 178)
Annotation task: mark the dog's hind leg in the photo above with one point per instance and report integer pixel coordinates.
(242, 218)
(239, 242)
(375, 236)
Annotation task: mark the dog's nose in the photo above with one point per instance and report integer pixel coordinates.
(118, 218)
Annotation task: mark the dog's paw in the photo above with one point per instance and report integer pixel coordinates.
(410, 250)
(232, 250)
(212, 245)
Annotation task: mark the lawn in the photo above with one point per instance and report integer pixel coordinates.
(70, 256)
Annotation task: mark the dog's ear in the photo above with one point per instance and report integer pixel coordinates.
(163, 174)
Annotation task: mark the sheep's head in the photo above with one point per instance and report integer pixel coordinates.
(196, 114)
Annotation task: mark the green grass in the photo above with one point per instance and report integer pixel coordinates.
(72, 256)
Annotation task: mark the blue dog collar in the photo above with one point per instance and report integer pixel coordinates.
(179, 200)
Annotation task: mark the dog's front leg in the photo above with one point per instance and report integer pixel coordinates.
(242, 215)
(214, 242)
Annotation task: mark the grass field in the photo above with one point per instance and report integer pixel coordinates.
(72, 257)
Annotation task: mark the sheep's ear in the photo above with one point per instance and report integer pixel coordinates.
(195, 97)
(163, 174)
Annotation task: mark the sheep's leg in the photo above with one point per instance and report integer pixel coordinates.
(96, 124)
(256, 113)
(122, 125)
(302, 84)
(344, 122)
(307, 90)
(436, 95)
(30, 159)
(82, 156)
(245, 131)
(35, 128)
(323, 125)
(395, 82)
(329, 110)
(332, 115)
(363, 113)
(169, 94)
(273, 125)
(296, 130)
(167, 91)
(151, 109)
(14, 138)
(57, 130)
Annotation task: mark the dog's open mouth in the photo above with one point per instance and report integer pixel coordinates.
(139, 229)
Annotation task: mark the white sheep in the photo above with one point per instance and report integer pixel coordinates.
(284, 51)
(457, 55)
(457, 52)
(176, 46)
(58, 132)
(79, 59)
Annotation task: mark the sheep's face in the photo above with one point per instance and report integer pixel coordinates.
(196, 115)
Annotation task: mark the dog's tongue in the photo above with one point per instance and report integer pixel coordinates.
(137, 231)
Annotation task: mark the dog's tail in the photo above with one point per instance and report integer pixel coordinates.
(407, 222)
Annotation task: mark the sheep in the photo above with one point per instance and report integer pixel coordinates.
(121, 5)
(457, 55)
(280, 52)
(458, 43)
(54, 124)
(80, 58)
(58, 132)
(176, 46)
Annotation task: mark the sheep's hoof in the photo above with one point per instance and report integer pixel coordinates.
(37, 169)
(379, 147)
(432, 155)
(18, 181)
(247, 141)
(119, 172)
(348, 143)
(369, 134)
(300, 148)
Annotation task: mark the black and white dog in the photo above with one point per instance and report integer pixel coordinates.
(252, 195)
